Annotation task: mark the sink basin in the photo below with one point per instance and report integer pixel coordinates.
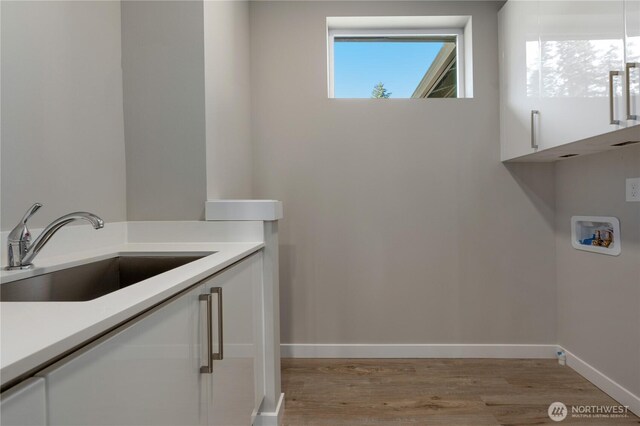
(92, 280)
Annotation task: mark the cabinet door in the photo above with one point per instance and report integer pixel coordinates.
(632, 57)
(236, 385)
(147, 373)
(580, 43)
(24, 404)
(519, 76)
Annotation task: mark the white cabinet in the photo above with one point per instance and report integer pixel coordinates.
(145, 374)
(581, 42)
(150, 371)
(24, 404)
(236, 385)
(562, 66)
(632, 59)
(519, 76)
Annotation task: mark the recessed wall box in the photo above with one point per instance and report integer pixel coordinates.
(599, 234)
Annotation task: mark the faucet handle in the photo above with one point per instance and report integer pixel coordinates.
(19, 239)
(30, 212)
(20, 232)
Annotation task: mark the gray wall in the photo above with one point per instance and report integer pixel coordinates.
(62, 131)
(227, 81)
(164, 109)
(598, 295)
(401, 224)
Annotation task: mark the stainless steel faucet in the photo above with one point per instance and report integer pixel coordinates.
(21, 251)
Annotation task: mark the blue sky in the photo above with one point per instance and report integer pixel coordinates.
(359, 66)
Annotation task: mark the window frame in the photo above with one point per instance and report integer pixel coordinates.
(458, 33)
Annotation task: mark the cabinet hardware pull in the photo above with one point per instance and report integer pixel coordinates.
(612, 119)
(208, 369)
(534, 144)
(219, 355)
(628, 88)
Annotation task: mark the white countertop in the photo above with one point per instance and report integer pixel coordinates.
(33, 333)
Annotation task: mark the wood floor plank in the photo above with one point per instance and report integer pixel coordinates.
(451, 392)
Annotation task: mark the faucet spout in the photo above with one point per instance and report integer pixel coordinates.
(54, 227)
(22, 251)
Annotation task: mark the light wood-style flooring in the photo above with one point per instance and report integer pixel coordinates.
(452, 392)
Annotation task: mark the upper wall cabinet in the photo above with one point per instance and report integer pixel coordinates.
(632, 58)
(581, 44)
(568, 73)
(519, 71)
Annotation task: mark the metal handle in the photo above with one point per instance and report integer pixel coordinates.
(219, 355)
(208, 369)
(20, 231)
(534, 144)
(628, 88)
(34, 208)
(19, 241)
(612, 75)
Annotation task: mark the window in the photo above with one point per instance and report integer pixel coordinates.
(391, 57)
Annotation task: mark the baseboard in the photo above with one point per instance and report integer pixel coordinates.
(610, 387)
(293, 350)
(271, 418)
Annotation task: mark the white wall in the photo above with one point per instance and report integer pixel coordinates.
(227, 71)
(401, 224)
(164, 109)
(63, 135)
(62, 129)
(598, 295)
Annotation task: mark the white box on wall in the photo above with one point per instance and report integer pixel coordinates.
(587, 234)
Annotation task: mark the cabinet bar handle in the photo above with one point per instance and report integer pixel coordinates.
(534, 144)
(628, 88)
(208, 369)
(219, 355)
(612, 119)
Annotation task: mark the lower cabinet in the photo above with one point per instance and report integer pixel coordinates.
(158, 369)
(238, 361)
(24, 404)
